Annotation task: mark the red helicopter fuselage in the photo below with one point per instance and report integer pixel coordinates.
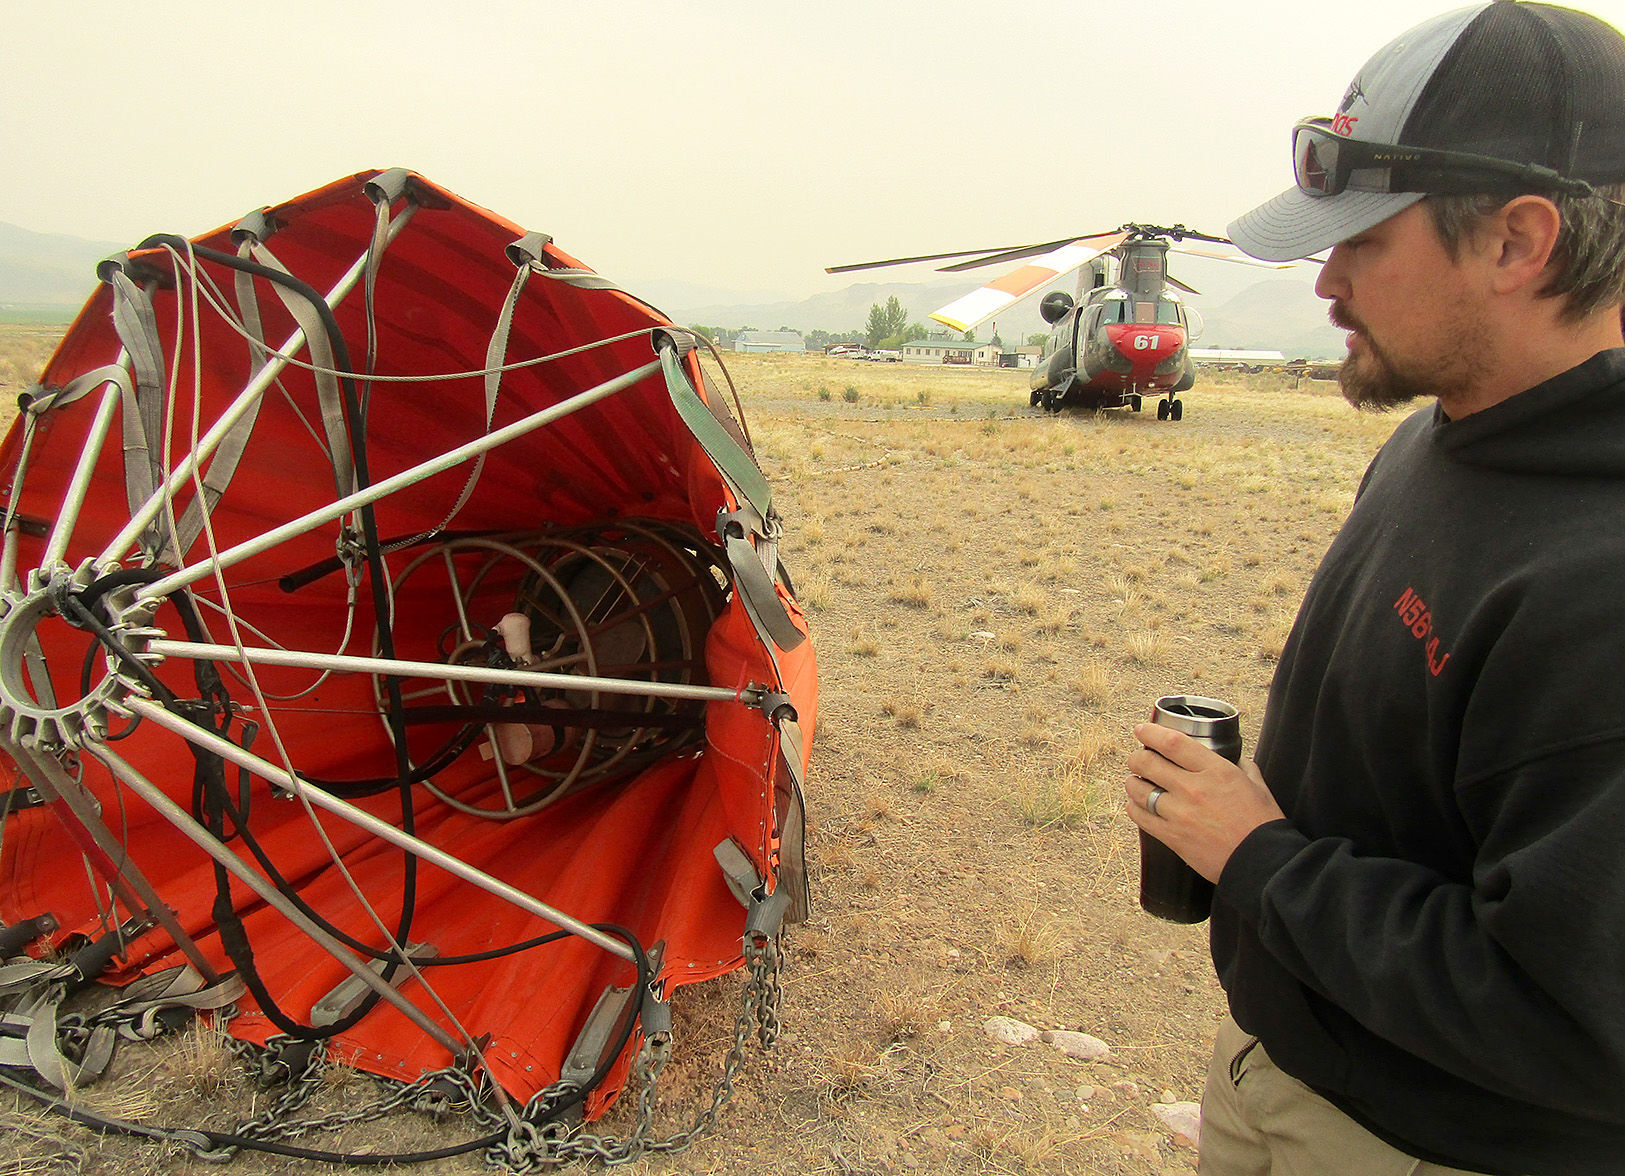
(1135, 356)
(1119, 340)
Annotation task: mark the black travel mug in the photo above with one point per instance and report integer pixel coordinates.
(1170, 889)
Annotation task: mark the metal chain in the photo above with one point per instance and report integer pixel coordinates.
(534, 1148)
(539, 1140)
(432, 1091)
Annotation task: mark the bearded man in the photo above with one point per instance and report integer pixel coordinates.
(1419, 920)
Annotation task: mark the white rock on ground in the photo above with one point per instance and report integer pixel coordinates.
(1009, 1030)
(1182, 1118)
(1078, 1045)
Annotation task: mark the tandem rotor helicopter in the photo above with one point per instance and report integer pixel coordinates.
(1124, 335)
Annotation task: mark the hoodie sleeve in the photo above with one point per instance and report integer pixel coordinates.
(1515, 982)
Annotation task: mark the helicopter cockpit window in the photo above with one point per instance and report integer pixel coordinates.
(1168, 312)
(1114, 311)
(1145, 312)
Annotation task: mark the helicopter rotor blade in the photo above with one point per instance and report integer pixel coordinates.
(864, 265)
(1022, 252)
(1177, 284)
(975, 308)
(1232, 258)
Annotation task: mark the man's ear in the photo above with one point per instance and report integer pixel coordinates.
(1519, 240)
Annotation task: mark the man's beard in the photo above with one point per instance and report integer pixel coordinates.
(1383, 381)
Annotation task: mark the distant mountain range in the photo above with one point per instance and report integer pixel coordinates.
(49, 275)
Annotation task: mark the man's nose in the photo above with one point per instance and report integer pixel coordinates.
(1333, 282)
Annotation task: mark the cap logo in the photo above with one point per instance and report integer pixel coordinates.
(1355, 91)
(1343, 124)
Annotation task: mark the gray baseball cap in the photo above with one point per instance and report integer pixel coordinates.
(1498, 97)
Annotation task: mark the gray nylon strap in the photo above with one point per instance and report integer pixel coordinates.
(761, 601)
(137, 326)
(176, 987)
(793, 826)
(528, 248)
(327, 384)
(179, 987)
(26, 974)
(737, 870)
(375, 259)
(14, 1053)
(47, 1060)
(580, 278)
(248, 306)
(496, 354)
(528, 251)
(28, 1033)
(228, 454)
(142, 409)
(735, 464)
(383, 190)
(78, 388)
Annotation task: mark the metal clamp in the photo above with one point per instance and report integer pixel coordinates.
(766, 918)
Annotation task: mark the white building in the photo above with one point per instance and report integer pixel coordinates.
(769, 341)
(950, 351)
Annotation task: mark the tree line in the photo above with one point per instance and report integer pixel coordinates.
(888, 329)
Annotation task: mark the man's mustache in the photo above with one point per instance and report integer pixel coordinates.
(1344, 319)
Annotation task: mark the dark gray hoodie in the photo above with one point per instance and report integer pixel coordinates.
(1434, 938)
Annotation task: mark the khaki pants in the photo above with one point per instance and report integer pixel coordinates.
(1257, 1121)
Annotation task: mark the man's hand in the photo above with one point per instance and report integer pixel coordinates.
(1209, 804)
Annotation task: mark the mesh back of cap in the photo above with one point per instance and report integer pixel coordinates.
(1532, 83)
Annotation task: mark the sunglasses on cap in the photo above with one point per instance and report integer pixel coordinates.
(1325, 163)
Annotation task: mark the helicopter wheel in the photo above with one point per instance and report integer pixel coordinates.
(1134, 404)
(1047, 398)
(1032, 398)
(1162, 410)
(1176, 410)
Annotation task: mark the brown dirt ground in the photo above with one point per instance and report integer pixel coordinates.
(997, 596)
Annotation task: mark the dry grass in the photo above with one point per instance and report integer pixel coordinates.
(200, 1062)
(23, 353)
(1023, 941)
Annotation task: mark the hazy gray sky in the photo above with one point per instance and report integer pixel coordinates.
(736, 145)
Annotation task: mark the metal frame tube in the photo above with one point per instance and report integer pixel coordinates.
(407, 477)
(100, 847)
(362, 819)
(73, 500)
(251, 392)
(8, 543)
(204, 840)
(394, 668)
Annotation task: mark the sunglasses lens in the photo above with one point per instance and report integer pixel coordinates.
(1314, 162)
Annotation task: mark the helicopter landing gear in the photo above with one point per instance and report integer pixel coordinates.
(1134, 403)
(1032, 398)
(1162, 410)
(1170, 409)
(1050, 401)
